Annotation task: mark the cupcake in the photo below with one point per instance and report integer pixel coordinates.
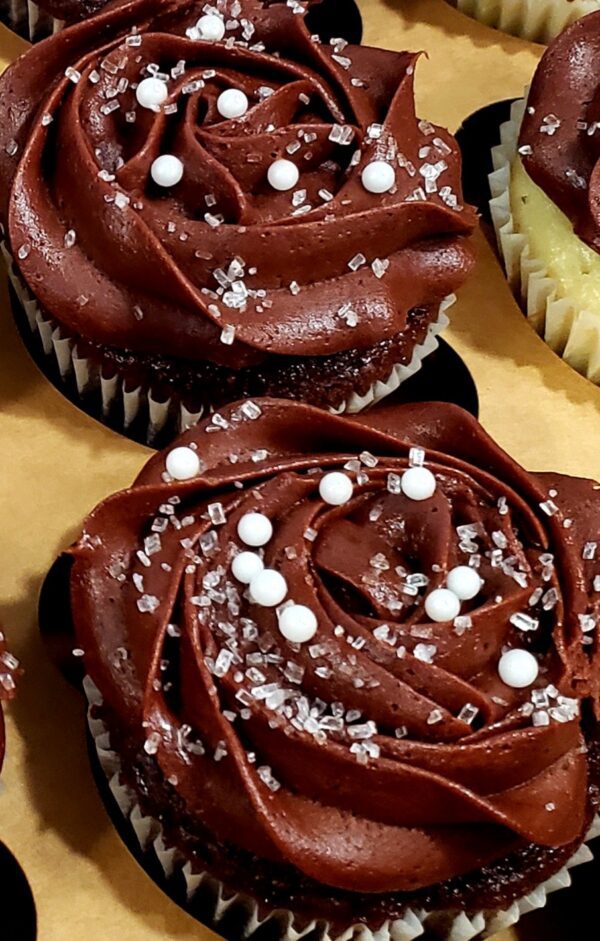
(544, 204)
(536, 20)
(36, 21)
(245, 211)
(343, 671)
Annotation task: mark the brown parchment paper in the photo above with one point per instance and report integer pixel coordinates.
(56, 464)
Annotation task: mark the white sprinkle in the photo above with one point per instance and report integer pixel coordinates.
(357, 262)
(72, 74)
(468, 713)
(549, 507)
(148, 604)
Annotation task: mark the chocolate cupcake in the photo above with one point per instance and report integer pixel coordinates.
(282, 223)
(536, 20)
(36, 21)
(345, 671)
(545, 191)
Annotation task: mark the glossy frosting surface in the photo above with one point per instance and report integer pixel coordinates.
(559, 140)
(385, 754)
(222, 266)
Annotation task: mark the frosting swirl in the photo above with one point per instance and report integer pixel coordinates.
(385, 753)
(221, 265)
(559, 135)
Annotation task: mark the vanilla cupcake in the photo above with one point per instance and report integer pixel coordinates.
(341, 670)
(245, 210)
(536, 20)
(545, 196)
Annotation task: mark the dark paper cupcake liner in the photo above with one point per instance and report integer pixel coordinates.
(18, 918)
(221, 909)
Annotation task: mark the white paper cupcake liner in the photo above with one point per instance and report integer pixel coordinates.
(446, 926)
(138, 404)
(27, 19)
(573, 333)
(536, 20)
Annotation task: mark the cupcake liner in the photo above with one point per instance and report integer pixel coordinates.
(102, 396)
(28, 20)
(536, 20)
(446, 926)
(19, 918)
(573, 333)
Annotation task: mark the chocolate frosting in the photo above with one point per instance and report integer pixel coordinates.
(386, 754)
(561, 127)
(222, 266)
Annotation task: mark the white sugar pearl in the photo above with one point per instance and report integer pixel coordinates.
(246, 566)
(418, 483)
(442, 605)
(268, 588)
(298, 624)
(378, 177)
(464, 581)
(167, 170)
(151, 93)
(336, 488)
(182, 464)
(211, 27)
(255, 529)
(232, 103)
(518, 668)
(283, 175)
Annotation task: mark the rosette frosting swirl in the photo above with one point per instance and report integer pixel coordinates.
(221, 265)
(560, 132)
(384, 753)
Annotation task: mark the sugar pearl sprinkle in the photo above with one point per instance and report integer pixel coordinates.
(418, 483)
(518, 669)
(268, 588)
(151, 93)
(442, 605)
(167, 170)
(283, 175)
(232, 103)
(465, 582)
(255, 529)
(378, 177)
(211, 27)
(182, 464)
(298, 624)
(246, 566)
(336, 488)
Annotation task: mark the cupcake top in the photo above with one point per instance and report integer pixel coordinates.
(559, 136)
(9, 671)
(233, 186)
(358, 647)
